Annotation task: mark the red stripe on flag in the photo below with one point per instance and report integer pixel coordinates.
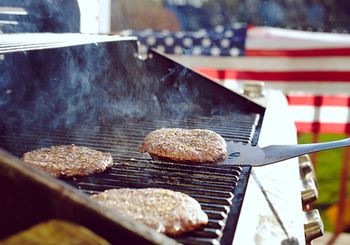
(271, 76)
(219, 74)
(317, 127)
(314, 100)
(298, 53)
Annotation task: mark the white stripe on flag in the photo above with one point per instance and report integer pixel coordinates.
(324, 114)
(277, 38)
(266, 63)
(301, 87)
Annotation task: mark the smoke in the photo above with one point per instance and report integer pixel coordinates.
(88, 86)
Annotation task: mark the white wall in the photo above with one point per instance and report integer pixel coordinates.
(95, 16)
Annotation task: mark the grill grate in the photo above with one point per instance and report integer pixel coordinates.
(219, 189)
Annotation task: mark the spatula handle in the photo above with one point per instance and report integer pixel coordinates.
(290, 151)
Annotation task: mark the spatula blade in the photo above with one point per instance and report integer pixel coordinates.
(244, 154)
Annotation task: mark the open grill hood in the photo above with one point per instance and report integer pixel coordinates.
(98, 93)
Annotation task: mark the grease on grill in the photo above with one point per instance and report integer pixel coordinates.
(166, 211)
(185, 145)
(68, 160)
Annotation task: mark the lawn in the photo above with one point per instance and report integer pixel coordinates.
(327, 166)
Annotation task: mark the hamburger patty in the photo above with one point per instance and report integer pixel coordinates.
(68, 160)
(185, 145)
(166, 211)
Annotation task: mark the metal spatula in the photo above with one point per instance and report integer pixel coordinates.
(240, 154)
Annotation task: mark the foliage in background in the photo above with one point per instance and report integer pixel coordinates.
(192, 15)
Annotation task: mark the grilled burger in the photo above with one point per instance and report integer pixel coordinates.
(181, 145)
(166, 211)
(68, 160)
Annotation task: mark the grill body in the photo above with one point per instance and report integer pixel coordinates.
(102, 96)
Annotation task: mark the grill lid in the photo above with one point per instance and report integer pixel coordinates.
(15, 42)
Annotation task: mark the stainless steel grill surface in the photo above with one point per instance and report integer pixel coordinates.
(219, 189)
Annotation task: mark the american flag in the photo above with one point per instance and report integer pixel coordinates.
(311, 68)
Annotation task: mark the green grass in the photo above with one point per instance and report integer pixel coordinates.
(328, 167)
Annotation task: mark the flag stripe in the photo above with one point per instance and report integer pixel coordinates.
(270, 76)
(315, 87)
(323, 114)
(326, 52)
(316, 127)
(319, 100)
(267, 38)
(244, 63)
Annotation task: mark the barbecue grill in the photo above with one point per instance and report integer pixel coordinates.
(97, 91)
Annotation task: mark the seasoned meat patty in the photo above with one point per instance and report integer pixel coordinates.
(68, 160)
(182, 145)
(166, 211)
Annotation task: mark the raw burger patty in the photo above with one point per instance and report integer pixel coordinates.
(166, 211)
(181, 145)
(68, 160)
